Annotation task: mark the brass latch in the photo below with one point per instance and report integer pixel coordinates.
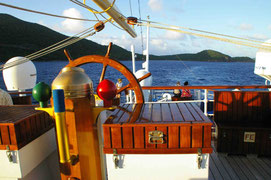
(200, 158)
(156, 137)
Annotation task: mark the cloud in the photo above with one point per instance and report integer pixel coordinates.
(155, 5)
(245, 27)
(72, 26)
(173, 35)
(260, 37)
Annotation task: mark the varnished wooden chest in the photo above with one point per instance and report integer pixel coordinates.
(243, 122)
(159, 128)
(20, 125)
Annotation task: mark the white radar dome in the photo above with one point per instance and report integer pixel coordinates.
(145, 82)
(19, 77)
(263, 62)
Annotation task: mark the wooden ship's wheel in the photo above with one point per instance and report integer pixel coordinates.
(106, 61)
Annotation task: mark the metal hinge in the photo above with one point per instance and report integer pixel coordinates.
(9, 154)
(115, 158)
(199, 159)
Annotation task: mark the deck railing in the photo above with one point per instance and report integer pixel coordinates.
(207, 92)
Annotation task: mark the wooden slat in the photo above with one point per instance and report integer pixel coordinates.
(173, 137)
(166, 114)
(127, 137)
(177, 116)
(139, 137)
(5, 135)
(13, 139)
(107, 137)
(120, 114)
(126, 115)
(197, 136)
(215, 171)
(33, 124)
(225, 164)
(147, 130)
(251, 168)
(199, 112)
(207, 136)
(146, 113)
(186, 113)
(156, 113)
(236, 168)
(0, 137)
(28, 128)
(194, 113)
(244, 168)
(185, 136)
(116, 137)
(262, 167)
(164, 129)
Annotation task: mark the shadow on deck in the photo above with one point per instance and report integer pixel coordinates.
(238, 167)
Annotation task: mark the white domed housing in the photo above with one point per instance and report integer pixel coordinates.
(263, 62)
(19, 77)
(145, 82)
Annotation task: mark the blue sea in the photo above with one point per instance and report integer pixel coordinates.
(165, 73)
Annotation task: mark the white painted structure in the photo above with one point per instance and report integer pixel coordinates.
(156, 167)
(37, 160)
(263, 62)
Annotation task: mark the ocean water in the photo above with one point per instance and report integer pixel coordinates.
(165, 73)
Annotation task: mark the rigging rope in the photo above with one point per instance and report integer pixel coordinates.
(43, 13)
(131, 8)
(87, 7)
(66, 42)
(140, 28)
(249, 44)
(208, 32)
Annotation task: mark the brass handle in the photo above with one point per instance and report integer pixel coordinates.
(156, 137)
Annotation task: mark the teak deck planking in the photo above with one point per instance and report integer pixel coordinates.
(184, 126)
(20, 125)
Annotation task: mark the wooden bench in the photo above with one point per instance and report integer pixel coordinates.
(243, 121)
(184, 127)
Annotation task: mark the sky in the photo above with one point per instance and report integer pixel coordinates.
(242, 18)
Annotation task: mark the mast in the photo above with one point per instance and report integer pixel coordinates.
(133, 57)
(147, 46)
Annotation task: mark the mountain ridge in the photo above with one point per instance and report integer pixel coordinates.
(19, 38)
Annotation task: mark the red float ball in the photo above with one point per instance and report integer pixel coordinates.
(106, 90)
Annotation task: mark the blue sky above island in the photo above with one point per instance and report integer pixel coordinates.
(242, 18)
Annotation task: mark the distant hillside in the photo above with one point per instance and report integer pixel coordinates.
(206, 55)
(21, 38)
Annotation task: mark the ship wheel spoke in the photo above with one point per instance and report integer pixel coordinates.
(129, 85)
(103, 72)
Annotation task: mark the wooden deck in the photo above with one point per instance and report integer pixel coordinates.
(239, 167)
